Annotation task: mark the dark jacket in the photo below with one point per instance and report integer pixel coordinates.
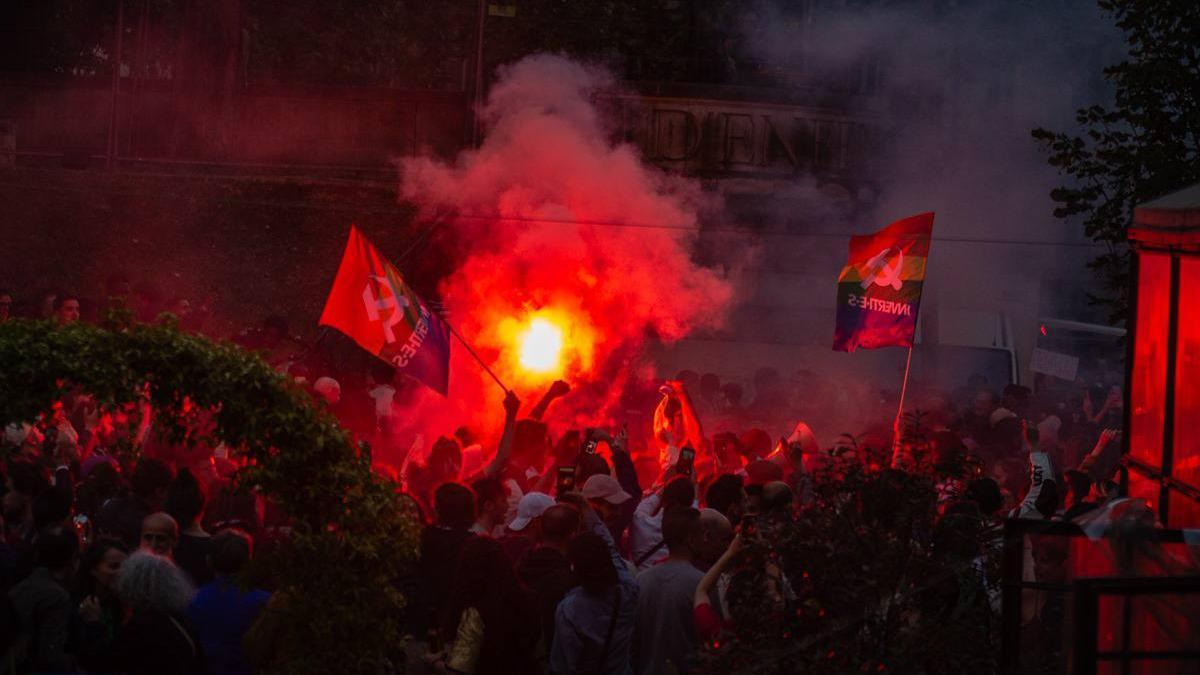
(515, 546)
(626, 474)
(547, 574)
(43, 607)
(91, 641)
(435, 568)
(191, 555)
(156, 643)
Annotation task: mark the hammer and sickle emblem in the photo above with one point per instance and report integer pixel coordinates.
(396, 302)
(880, 273)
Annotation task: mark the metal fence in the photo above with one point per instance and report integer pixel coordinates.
(1078, 604)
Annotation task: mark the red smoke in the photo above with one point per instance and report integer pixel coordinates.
(547, 164)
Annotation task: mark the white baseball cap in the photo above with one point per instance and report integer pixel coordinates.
(531, 506)
(604, 486)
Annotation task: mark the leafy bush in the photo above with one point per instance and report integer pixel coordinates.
(351, 533)
(880, 584)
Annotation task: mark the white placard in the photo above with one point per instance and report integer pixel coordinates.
(1062, 366)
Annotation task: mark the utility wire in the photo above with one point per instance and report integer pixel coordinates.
(546, 221)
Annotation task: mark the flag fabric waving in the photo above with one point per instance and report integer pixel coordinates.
(879, 290)
(372, 305)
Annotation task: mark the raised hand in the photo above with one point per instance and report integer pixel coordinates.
(89, 609)
(559, 389)
(620, 442)
(511, 404)
(1108, 436)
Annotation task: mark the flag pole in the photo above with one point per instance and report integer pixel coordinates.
(475, 356)
(897, 441)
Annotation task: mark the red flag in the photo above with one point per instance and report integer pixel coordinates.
(879, 290)
(371, 304)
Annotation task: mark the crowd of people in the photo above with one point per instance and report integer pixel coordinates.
(546, 549)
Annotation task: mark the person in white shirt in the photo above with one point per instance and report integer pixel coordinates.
(645, 533)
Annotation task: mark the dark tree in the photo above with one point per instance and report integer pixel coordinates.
(1146, 144)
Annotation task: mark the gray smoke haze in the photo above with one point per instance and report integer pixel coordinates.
(960, 89)
(957, 88)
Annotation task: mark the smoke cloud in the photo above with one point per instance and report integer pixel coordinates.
(557, 221)
(952, 91)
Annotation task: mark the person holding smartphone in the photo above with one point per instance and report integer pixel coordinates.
(614, 497)
(594, 622)
(676, 423)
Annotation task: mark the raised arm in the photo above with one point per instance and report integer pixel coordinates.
(1105, 455)
(623, 465)
(1040, 470)
(691, 421)
(511, 405)
(703, 593)
(556, 391)
(670, 438)
(592, 523)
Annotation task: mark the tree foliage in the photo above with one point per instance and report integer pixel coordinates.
(881, 583)
(351, 532)
(1145, 144)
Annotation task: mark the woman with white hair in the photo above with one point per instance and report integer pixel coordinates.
(156, 638)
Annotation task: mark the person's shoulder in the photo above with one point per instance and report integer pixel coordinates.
(575, 601)
(209, 591)
(41, 588)
(629, 589)
(257, 597)
(431, 534)
(649, 575)
(568, 601)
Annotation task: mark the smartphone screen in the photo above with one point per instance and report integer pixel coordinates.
(566, 480)
(590, 441)
(749, 525)
(687, 460)
(83, 529)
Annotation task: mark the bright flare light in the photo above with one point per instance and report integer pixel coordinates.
(541, 346)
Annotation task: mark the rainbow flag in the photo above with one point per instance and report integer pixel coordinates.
(879, 290)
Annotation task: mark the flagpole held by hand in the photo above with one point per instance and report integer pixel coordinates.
(898, 427)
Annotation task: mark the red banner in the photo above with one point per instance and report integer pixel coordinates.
(371, 304)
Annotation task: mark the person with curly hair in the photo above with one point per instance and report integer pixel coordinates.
(157, 638)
